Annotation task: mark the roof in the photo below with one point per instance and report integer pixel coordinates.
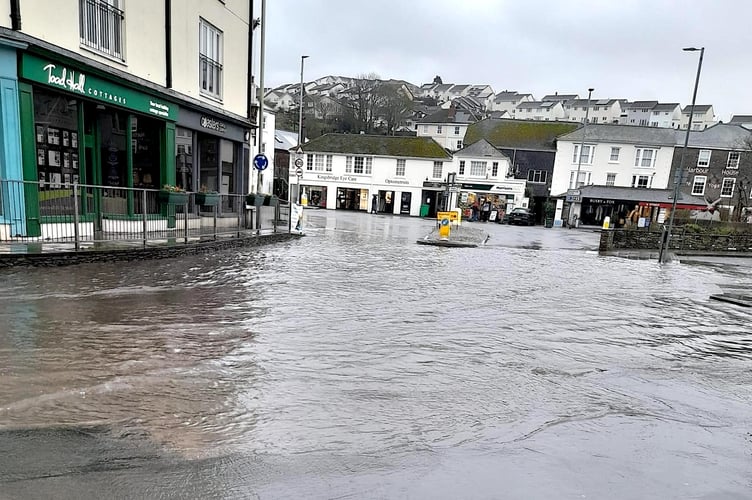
(719, 136)
(640, 105)
(481, 149)
(459, 88)
(669, 106)
(560, 97)
(741, 119)
(537, 104)
(519, 134)
(284, 139)
(377, 145)
(637, 195)
(443, 87)
(699, 108)
(623, 134)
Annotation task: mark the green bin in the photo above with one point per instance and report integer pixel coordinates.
(424, 210)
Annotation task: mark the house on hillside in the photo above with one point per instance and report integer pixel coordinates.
(562, 98)
(702, 117)
(600, 110)
(665, 115)
(637, 113)
(743, 120)
(542, 110)
(448, 126)
(507, 101)
(531, 148)
(622, 156)
(399, 175)
(717, 167)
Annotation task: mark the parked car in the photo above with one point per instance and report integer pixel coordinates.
(521, 216)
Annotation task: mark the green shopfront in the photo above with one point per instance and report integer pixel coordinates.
(80, 126)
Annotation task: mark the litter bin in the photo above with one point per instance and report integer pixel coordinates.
(424, 210)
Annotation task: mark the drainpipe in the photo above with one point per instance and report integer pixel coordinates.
(168, 43)
(15, 14)
(249, 85)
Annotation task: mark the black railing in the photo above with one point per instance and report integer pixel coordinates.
(211, 75)
(101, 27)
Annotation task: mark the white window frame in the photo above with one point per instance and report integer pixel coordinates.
(704, 162)
(587, 159)
(697, 181)
(537, 176)
(318, 163)
(309, 161)
(495, 169)
(614, 158)
(358, 165)
(105, 36)
(399, 171)
(456, 130)
(438, 167)
(369, 165)
(641, 155)
(610, 179)
(583, 181)
(438, 129)
(728, 182)
(733, 162)
(210, 53)
(462, 168)
(328, 163)
(478, 168)
(348, 164)
(637, 180)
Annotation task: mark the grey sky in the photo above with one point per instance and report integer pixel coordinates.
(624, 48)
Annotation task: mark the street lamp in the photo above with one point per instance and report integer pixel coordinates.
(300, 111)
(665, 241)
(582, 145)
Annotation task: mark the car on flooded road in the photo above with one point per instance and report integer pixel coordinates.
(521, 216)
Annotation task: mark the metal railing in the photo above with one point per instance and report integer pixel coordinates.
(211, 75)
(101, 27)
(81, 214)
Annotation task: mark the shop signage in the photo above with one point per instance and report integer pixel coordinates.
(341, 178)
(477, 187)
(503, 188)
(429, 184)
(68, 79)
(213, 124)
(600, 201)
(397, 181)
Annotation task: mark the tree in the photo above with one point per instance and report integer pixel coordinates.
(363, 101)
(395, 105)
(437, 80)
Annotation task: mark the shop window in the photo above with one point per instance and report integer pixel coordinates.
(56, 127)
(227, 172)
(209, 162)
(145, 145)
(183, 159)
(101, 26)
(112, 127)
(210, 59)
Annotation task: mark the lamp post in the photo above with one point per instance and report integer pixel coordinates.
(666, 240)
(299, 152)
(582, 145)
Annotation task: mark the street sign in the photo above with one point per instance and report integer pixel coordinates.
(299, 172)
(260, 161)
(572, 198)
(298, 162)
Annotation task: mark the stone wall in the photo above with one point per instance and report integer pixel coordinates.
(682, 241)
(47, 259)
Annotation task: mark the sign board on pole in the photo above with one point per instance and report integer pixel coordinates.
(452, 216)
(260, 162)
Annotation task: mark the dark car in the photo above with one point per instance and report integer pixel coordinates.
(521, 216)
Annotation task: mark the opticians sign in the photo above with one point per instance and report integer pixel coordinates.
(69, 79)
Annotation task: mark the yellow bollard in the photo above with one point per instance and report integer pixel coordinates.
(444, 228)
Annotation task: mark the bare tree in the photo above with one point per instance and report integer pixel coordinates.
(395, 105)
(363, 101)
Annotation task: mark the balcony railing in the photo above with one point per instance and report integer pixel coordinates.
(101, 27)
(81, 214)
(211, 76)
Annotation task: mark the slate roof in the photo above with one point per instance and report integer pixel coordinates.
(443, 87)
(481, 149)
(519, 134)
(440, 116)
(285, 140)
(537, 104)
(640, 105)
(560, 97)
(699, 108)
(741, 119)
(719, 136)
(670, 106)
(624, 134)
(637, 195)
(377, 145)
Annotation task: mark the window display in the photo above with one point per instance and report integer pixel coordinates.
(56, 123)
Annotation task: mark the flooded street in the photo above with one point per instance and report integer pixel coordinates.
(354, 363)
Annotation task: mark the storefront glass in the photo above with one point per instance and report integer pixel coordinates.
(56, 126)
(184, 159)
(145, 144)
(316, 196)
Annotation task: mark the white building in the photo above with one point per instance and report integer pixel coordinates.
(352, 172)
(612, 156)
(665, 115)
(702, 118)
(482, 174)
(600, 110)
(541, 110)
(509, 100)
(637, 113)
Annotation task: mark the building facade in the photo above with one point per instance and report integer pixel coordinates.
(119, 94)
(385, 174)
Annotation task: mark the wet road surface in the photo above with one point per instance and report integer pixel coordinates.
(354, 363)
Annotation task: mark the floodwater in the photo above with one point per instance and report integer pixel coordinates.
(354, 363)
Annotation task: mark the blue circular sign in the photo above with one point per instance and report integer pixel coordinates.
(260, 161)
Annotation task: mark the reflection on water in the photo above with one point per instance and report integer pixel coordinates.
(355, 362)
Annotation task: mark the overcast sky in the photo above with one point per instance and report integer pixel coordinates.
(623, 48)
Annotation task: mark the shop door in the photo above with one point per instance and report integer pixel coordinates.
(405, 203)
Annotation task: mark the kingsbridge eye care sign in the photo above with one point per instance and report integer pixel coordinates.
(75, 81)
